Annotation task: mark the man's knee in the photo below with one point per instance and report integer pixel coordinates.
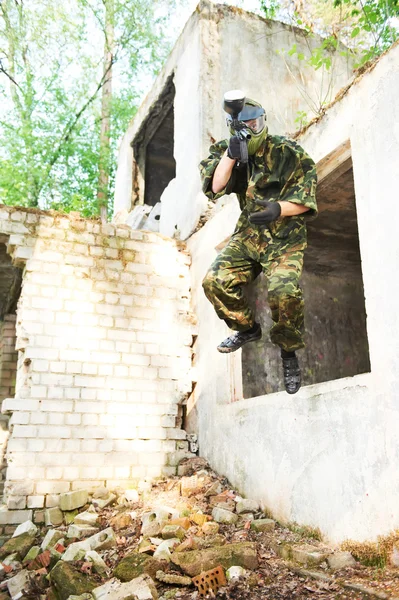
(210, 283)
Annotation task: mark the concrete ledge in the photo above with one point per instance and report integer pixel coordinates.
(305, 393)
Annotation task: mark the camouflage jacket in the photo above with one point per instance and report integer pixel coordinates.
(278, 160)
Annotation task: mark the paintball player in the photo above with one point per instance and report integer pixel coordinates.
(275, 182)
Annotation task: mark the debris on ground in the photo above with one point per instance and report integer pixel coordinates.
(183, 538)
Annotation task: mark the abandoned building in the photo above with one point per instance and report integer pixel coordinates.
(108, 345)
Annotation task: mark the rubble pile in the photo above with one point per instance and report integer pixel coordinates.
(185, 537)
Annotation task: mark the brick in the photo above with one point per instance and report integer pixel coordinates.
(25, 431)
(16, 502)
(35, 501)
(14, 517)
(19, 418)
(54, 432)
(52, 487)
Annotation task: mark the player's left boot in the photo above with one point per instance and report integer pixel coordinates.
(292, 372)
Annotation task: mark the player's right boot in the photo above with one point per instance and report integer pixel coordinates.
(239, 338)
(292, 373)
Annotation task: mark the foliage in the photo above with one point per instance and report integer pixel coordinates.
(360, 29)
(51, 77)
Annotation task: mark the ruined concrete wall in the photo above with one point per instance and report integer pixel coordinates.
(103, 335)
(223, 48)
(328, 456)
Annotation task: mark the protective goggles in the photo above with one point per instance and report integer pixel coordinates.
(253, 116)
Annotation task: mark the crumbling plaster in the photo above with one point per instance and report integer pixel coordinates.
(328, 456)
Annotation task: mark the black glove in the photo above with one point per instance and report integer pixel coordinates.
(271, 213)
(234, 149)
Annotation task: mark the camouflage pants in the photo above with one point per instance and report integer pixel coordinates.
(240, 262)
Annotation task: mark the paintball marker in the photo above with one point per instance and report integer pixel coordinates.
(233, 104)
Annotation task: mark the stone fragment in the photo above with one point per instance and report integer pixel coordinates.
(214, 490)
(235, 572)
(220, 515)
(173, 531)
(86, 518)
(69, 516)
(132, 496)
(18, 545)
(81, 597)
(163, 550)
(182, 521)
(101, 492)
(80, 531)
(247, 506)
(210, 528)
(140, 588)
(51, 538)
(263, 525)
(173, 579)
(210, 541)
(103, 502)
(246, 517)
(228, 505)
(188, 544)
(150, 526)
(53, 516)
(340, 560)
(194, 562)
(27, 527)
(32, 554)
(191, 485)
(135, 564)
(68, 580)
(99, 565)
(222, 499)
(199, 518)
(72, 500)
(100, 541)
(121, 521)
(19, 584)
(308, 555)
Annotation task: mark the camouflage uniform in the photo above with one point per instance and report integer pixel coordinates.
(276, 249)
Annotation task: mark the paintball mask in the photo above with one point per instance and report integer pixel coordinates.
(246, 119)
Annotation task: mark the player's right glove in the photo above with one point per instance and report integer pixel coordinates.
(234, 150)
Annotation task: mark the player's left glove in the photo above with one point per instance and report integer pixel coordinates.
(271, 213)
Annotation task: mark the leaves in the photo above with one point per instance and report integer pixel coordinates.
(52, 76)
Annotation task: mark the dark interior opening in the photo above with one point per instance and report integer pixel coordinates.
(335, 315)
(10, 290)
(160, 165)
(10, 282)
(154, 144)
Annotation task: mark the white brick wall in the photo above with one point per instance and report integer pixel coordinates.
(104, 355)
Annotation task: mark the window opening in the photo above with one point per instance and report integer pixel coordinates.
(154, 164)
(335, 315)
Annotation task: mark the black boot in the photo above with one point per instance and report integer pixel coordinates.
(292, 372)
(238, 339)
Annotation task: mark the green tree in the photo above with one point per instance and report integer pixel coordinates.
(59, 121)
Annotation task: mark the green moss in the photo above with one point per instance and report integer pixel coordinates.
(305, 531)
(135, 564)
(20, 544)
(69, 581)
